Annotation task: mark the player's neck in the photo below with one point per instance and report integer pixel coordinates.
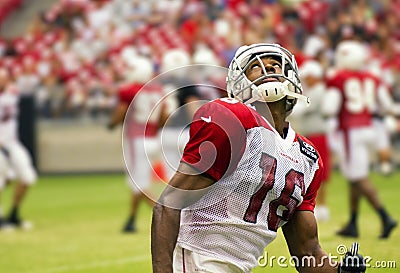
(275, 113)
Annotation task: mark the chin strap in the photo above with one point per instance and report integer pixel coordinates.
(274, 91)
(300, 97)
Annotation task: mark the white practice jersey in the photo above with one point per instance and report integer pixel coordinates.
(8, 116)
(261, 180)
(309, 119)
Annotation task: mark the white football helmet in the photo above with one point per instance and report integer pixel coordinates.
(140, 70)
(350, 54)
(241, 88)
(204, 55)
(311, 68)
(174, 58)
(128, 54)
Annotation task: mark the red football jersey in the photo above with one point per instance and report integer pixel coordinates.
(143, 114)
(359, 92)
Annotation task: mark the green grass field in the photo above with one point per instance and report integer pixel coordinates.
(78, 219)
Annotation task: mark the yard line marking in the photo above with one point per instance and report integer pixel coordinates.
(79, 267)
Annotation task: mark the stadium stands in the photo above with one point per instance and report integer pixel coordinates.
(74, 48)
(7, 7)
(79, 42)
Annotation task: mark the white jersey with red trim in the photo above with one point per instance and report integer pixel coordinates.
(142, 118)
(261, 180)
(8, 115)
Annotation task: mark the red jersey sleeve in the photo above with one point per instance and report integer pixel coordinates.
(311, 193)
(126, 93)
(217, 139)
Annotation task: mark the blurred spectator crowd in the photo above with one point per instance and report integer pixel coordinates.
(74, 55)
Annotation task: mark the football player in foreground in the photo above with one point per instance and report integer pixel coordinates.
(244, 173)
(353, 96)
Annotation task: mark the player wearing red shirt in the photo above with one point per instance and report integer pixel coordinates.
(310, 122)
(142, 116)
(244, 173)
(353, 96)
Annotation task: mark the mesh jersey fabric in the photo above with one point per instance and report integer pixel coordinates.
(242, 211)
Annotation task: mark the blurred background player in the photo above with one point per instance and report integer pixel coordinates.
(137, 106)
(209, 76)
(381, 123)
(384, 122)
(14, 154)
(4, 177)
(185, 98)
(352, 97)
(310, 122)
(189, 88)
